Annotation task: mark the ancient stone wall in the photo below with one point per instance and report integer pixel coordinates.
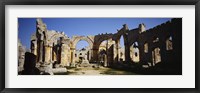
(21, 55)
(158, 44)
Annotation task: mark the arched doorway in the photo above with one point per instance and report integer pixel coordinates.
(103, 57)
(156, 56)
(87, 55)
(121, 49)
(56, 50)
(169, 44)
(134, 52)
(82, 51)
(102, 53)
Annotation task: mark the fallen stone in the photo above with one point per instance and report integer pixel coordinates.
(59, 70)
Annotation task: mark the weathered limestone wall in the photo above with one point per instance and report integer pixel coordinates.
(47, 54)
(21, 56)
(64, 55)
(34, 47)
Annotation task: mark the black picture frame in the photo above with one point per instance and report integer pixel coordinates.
(3, 3)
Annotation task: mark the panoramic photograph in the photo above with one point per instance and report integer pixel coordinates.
(99, 46)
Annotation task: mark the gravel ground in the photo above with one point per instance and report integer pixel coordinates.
(94, 71)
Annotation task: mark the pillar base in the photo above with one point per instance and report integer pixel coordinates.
(72, 64)
(46, 63)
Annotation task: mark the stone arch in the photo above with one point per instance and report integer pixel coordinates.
(54, 37)
(54, 48)
(121, 47)
(76, 39)
(73, 43)
(135, 52)
(103, 57)
(122, 31)
(108, 38)
(102, 49)
(101, 39)
(125, 34)
(120, 34)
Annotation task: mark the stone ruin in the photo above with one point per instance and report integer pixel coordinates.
(21, 56)
(161, 44)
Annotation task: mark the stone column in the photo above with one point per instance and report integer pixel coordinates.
(127, 52)
(51, 56)
(118, 51)
(68, 56)
(41, 51)
(57, 54)
(95, 54)
(72, 57)
(54, 55)
(74, 51)
(89, 53)
(110, 54)
(107, 55)
(63, 55)
(127, 48)
(47, 54)
(105, 61)
(34, 47)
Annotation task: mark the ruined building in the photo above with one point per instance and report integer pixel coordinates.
(161, 44)
(21, 55)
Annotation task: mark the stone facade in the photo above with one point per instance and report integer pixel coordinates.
(82, 54)
(148, 47)
(21, 55)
